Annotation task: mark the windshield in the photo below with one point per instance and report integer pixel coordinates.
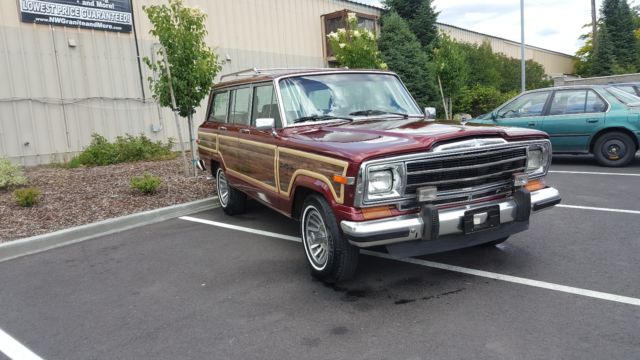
(344, 96)
(624, 97)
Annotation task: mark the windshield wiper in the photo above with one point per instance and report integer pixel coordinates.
(372, 112)
(319, 118)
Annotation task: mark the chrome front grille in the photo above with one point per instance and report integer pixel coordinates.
(462, 173)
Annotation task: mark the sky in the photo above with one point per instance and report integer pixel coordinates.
(550, 24)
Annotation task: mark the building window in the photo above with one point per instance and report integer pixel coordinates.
(336, 20)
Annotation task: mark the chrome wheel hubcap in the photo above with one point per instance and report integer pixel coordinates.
(316, 239)
(223, 189)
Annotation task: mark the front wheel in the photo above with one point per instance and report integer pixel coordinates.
(614, 149)
(330, 256)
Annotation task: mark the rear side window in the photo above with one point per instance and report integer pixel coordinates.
(219, 107)
(595, 102)
(265, 104)
(628, 88)
(581, 101)
(240, 105)
(569, 102)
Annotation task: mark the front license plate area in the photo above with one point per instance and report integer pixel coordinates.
(481, 219)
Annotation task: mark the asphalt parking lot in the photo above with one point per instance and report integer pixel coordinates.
(212, 287)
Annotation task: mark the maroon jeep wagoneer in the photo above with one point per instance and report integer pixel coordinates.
(351, 155)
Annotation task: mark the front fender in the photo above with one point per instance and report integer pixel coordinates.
(317, 185)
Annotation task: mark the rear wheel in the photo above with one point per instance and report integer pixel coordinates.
(614, 149)
(330, 256)
(232, 201)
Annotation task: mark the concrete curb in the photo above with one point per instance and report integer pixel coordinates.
(39, 243)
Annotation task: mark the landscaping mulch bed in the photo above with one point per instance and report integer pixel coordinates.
(72, 197)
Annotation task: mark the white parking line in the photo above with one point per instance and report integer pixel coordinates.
(591, 173)
(599, 209)
(241, 228)
(14, 350)
(436, 265)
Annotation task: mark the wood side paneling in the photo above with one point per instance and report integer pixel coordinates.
(292, 163)
(208, 142)
(256, 160)
(227, 150)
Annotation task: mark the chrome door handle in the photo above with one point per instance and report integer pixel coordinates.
(245, 131)
(222, 128)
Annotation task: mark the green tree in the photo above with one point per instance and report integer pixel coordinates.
(603, 58)
(407, 9)
(584, 55)
(402, 52)
(618, 19)
(421, 16)
(187, 66)
(620, 53)
(499, 71)
(536, 77)
(484, 65)
(356, 47)
(193, 64)
(424, 24)
(451, 65)
(511, 74)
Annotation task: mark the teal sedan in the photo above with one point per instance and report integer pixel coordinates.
(598, 119)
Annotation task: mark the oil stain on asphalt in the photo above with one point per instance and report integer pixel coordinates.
(355, 294)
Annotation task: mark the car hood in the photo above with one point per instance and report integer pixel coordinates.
(364, 139)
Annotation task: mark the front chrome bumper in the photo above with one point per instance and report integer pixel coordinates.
(412, 227)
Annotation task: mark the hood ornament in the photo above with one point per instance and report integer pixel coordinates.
(464, 118)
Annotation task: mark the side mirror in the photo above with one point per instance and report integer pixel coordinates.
(430, 112)
(494, 116)
(265, 124)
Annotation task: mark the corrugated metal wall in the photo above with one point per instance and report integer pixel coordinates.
(54, 95)
(554, 63)
(59, 85)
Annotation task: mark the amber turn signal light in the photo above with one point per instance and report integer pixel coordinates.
(344, 180)
(376, 212)
(534, 185)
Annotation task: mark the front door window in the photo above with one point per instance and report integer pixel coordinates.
(531, 104)
(265, 105)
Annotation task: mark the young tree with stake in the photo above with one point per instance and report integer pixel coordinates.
(187, 66)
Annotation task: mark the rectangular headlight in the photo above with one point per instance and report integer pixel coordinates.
(384, 182)
(535, 159)
(538, 159)
(380, 182)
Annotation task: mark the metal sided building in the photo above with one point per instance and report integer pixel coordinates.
(70, 68)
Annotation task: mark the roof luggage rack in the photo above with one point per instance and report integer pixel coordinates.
(270, 71)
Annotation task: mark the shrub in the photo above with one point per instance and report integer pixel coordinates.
(10, 174)
(27, 197)
(146, 184)
(481, 100)
(355, 47)
(125, 149)
(73, 163)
